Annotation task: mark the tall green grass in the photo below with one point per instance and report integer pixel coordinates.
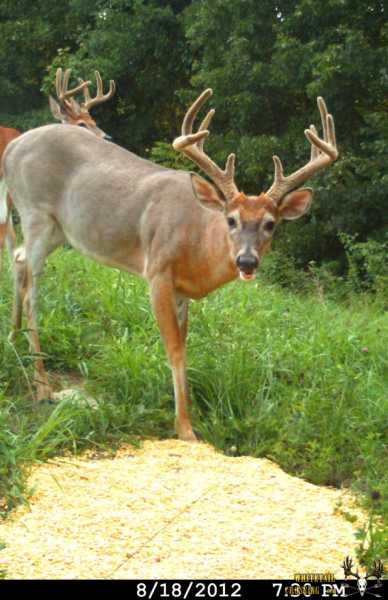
(272, 373)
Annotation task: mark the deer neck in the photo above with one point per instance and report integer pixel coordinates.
(219, 250)
(208, 263)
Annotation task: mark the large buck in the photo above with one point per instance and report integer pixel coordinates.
(170, 227)
(68, 111)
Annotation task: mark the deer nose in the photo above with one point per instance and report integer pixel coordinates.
(247, 263)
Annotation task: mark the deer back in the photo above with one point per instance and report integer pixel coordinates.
(108, 203)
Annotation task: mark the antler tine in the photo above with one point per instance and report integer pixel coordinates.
(204, 127)
(323, 152)
(62, 83)
(327, 122)
(191, 144)
(86, 93)
(314, 149)
(58, 82)
(324, 114)
(347, 567)
(187, 125)
(100, 87)
(378, 568)
(100, 96)
(230, 166)
(66, 79)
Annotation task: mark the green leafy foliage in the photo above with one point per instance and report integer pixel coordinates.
(266, 63)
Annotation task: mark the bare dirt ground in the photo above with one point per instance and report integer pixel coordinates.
(175, 510)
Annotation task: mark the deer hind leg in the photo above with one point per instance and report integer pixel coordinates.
(171, 314)
(10, 232)
(41, 239)
(20, 289)
(40, 380)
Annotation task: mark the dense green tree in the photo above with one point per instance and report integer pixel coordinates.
(141, 45)
(266, 61)
(30, 34)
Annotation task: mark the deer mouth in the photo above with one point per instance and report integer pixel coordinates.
(247, 275)
(247, 265)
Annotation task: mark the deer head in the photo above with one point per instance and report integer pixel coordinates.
(252, 219)
(67, 110)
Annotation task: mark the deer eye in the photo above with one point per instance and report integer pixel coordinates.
(231, 222)
(269, 226)
(82, 125)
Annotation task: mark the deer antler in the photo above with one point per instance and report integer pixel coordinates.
(323, 152)
(62, 83)
(377, 571)
(89, 102)
(191, 144)
(347, 566)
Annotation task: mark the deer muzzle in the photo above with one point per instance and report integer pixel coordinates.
(247, 264)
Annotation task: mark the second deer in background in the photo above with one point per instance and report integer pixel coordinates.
(68, 111)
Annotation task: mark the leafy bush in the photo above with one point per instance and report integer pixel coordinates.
(281, 269)
(367, 264)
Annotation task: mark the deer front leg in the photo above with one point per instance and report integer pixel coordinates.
(171, 314)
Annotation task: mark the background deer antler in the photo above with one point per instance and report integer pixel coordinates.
(62, 84)
(100, 97)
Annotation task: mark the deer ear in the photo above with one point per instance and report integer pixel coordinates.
(206, 194)
(295, 204)
(55, 109)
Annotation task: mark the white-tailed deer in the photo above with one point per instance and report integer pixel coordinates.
(66, 110)
(7, 134)
(129, 213)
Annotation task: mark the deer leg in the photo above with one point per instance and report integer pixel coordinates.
(171, 315)
(10, 236)
(41, 238)
(183, 314)
(41, 383)
(20, 289)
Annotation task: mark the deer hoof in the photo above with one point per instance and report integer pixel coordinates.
(44, 393)
(186, 434)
